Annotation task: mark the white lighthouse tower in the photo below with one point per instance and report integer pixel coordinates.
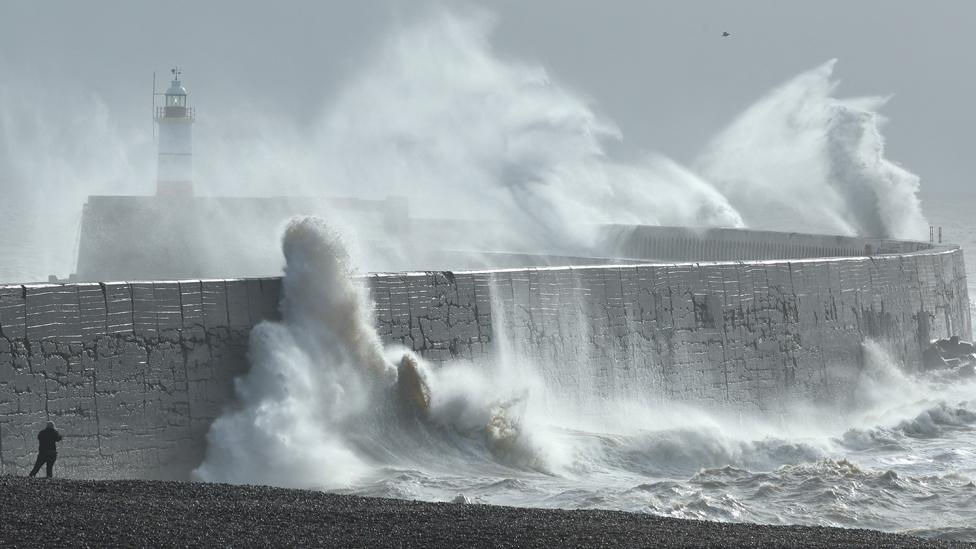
(174, 175)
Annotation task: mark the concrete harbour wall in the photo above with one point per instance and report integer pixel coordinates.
(134, 373)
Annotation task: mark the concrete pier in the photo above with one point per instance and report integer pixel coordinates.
(134, 372)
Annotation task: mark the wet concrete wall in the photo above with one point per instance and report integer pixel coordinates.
(134, 373)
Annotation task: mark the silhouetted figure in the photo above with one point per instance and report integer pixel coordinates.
(47, 450)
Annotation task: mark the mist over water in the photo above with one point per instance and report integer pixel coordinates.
(437, 115)
(52, 155)
(458, 121)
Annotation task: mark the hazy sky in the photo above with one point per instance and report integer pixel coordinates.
(659, 69)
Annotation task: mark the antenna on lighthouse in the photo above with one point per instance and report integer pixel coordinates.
(176, 72)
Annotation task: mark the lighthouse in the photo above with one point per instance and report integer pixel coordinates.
(174, 176)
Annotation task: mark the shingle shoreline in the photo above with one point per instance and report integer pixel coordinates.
(136, 513)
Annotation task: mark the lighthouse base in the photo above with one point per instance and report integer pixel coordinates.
(174, 188)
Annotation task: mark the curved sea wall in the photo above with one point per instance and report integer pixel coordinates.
(134, 373)
(721, 244)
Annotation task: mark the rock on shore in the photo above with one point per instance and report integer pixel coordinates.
(62, 512)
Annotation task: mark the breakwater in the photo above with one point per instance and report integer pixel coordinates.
(135, 372)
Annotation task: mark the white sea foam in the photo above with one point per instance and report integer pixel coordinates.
(323, 403)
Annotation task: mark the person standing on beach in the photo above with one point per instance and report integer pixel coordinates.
(47, 451)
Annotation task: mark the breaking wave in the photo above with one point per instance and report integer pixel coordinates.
(324, 404)
(804, 153)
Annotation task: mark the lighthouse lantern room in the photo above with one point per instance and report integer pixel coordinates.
(175, 120)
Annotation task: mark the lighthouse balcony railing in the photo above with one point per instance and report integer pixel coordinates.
(174, 112)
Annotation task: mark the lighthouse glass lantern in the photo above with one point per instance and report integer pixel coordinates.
(175, 152)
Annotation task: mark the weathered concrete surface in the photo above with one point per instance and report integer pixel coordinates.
(134, 373)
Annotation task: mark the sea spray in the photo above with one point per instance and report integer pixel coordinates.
(439, 115)
(439, 107)
(310, 378)
(821, 158)
(324, 404)
(437, 111)
(890, 404)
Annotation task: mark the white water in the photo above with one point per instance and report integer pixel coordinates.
(324, 406)
(817, 160)
(436, 114)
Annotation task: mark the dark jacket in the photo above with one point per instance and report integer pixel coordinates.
(48, 439)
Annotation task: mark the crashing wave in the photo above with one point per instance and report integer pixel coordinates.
(821, 158)
(324, 404)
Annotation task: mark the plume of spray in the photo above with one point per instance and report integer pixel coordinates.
(324, 404)
(806, 153)
(436, 112)
(310, 376)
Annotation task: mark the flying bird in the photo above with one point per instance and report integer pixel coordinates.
(726, 34)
